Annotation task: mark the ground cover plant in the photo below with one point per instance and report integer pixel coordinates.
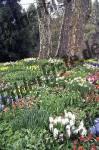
(35, 93)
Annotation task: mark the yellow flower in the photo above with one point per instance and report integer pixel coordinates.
(4, 68)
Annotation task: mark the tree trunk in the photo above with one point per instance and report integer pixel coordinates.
(44, 30)
(72, 31)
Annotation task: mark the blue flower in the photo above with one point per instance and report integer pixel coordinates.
(93, 130)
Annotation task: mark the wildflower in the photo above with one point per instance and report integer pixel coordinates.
(65, 121)
(61, 137)
(96, 120)
(6, 109)
(97, 98)
(97, 139)
(80, 148)
(55, 133)
(72, 123)
(59, 119)
(51, 127)
(93, 147)
(75, 131)
(68, 131)
(51, 120)
(97, 86)
(82, 138)
(81, 125)
(66, 114)
(93, 130)
(83, 131)
(73, 117)
(69, 115)
(55, 121)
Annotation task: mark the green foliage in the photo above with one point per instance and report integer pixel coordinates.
(31, 119)
(18, 32)
(27, 128)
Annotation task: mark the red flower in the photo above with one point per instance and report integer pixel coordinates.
(83, 139)
(97, 86)
(75, 142)
(97, 98)
(93, 147)
(74, 147)
(90, 137)
(97, 139)
(80, 148)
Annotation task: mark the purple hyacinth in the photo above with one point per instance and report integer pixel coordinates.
(96, 120)
(97, 128)
(92, 130)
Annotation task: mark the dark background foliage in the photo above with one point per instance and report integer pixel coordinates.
(19, 35)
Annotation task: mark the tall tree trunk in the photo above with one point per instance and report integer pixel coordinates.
(72, 31)
(44, 30)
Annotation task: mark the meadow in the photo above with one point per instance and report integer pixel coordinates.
(36, 98)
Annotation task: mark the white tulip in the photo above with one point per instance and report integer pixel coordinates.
(55, 133)
(51, 127)
(51, 119)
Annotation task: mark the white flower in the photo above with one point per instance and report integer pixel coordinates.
(81, 125)
(61, 137)
(55, 121)
(68, 131)
(55, 133)
(72, 123)
(69, 115)
(51, 120)
(75, 131)
(66, 114)
(51, 127)
(73, 117)
(83, 131)
(65, 121)
(59, 119)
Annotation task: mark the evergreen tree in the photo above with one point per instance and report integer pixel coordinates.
(15, 32)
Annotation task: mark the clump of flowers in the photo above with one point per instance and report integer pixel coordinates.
(94, 130)
(64, 127)
(93, 78)
(56, 61)
(91, 66)
(79, 81)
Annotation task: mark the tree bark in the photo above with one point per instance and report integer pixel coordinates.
(72, 31)
(44, 30)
